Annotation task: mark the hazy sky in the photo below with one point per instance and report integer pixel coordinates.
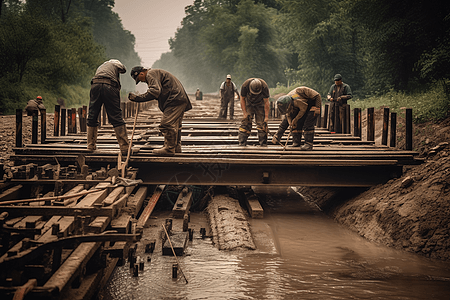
(152, 22)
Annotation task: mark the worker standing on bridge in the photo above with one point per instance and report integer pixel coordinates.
(254, 102)
(301, 106)
(173, 101)
(338, 95)
(105, 90)
(227, 91)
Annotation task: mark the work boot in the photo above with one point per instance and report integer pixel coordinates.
(122, 138)
(170, 143)
(296, 139)
(242, 138)
(276, 139)
(309, 140)
(91, 138)
(178, 146)
(262, 138)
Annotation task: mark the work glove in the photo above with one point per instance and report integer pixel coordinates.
(293, 126)
(132, 96)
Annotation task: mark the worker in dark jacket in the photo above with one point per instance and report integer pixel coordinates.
(302, 107)
(172, 99)
(105, 90)
(34, 104)
(338, 95)
(254, 102)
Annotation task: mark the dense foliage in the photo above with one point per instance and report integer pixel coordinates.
(379, 46)
(53, 47)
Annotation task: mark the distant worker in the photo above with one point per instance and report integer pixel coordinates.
(105, 90)
(338, 95)
(35, 104)
(254, 102)
(302, 107)
(227, 91)
(198, 95)
(172, 99)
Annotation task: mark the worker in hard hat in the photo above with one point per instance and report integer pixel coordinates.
(227, 91)
(105, 91)
(301, 107)
(254, 103)
(172, 99)
(35, 104)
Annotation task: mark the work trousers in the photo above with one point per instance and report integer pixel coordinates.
(305, 124)
(258, 113)
(109, 96)
(172, 120)
(224, 103)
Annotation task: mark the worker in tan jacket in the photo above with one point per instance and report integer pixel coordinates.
(302, 107)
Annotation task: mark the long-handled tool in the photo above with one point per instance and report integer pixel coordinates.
(173, 251)
(123, 166)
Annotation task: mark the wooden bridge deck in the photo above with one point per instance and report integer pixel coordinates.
(211, 155)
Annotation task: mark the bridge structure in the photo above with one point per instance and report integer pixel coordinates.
(211, 155)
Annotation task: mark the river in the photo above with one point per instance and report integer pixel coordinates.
(302, 254)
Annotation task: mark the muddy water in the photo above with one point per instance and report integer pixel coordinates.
(302, 254)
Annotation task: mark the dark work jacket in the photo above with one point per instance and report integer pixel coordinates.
(165, 88)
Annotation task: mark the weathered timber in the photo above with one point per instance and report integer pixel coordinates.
(179, 242)
(150, 206)
(183, 204)
(254, 207)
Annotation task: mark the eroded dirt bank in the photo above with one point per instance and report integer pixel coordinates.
(411, 212)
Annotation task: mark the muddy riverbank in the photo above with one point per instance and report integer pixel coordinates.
(410, 213)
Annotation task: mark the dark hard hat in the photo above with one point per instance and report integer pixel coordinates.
(283, 103)
(255, 86)
(135, 72)
(337, 77)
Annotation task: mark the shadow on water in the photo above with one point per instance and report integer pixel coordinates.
(302, 254)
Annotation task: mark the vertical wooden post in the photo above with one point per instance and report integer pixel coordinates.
(344, 119)
(384, 136)
(348, 118)
(357, 122)
(63, 121)
(409, 129)
(19, 128)
(69, 121)
(325, 116)
(56, 120)
(43, 125)
(34, 127)
(74, 120)
(370, 124)
(84, 117)
(393, 129)
(80, 118)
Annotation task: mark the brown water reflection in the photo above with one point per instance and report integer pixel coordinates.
(302, 254)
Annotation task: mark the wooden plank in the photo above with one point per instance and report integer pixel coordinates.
(113, 196)
(11, 193)
(122, 224)
(254, 207)
(150, 206)
(135, 202)
(99, 224)
(183, 204)
(179, 242)
(75, 190)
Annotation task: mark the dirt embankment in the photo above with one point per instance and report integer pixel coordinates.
(411, 212)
